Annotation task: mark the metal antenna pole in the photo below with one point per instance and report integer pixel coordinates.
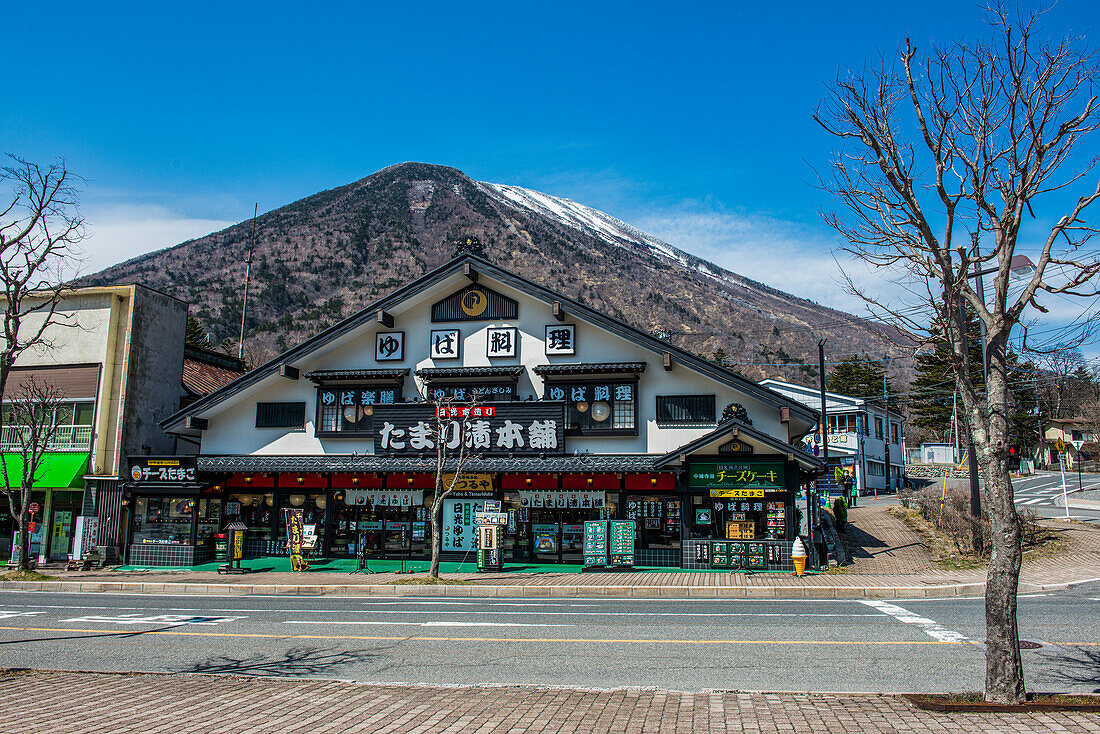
(886, 429)
(247, 278)
(811, 500)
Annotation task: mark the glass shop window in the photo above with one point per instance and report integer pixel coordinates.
(351, 409)
(163, 520)
(597, 407)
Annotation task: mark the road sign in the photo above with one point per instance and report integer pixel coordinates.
(1060, 445)
(1078, 444)
(33, 508)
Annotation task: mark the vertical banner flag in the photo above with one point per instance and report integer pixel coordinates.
(294, 530)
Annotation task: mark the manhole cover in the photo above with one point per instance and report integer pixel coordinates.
(1029, 645)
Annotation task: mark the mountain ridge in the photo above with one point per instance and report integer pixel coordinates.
(324, 257)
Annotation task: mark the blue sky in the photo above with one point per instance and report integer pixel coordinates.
(690, 120)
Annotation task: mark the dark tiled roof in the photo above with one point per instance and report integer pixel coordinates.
(442, 372)
(592, 368)
(369, 462)
(728, 427)
(322, 375)
(203, 378)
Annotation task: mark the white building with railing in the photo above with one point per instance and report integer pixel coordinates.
(862, 439)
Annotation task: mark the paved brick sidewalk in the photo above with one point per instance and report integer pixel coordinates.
(894, 564)
(149, 704)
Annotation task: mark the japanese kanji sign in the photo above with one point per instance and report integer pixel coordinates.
(389, 346)
(561, 339)
(501, 341)
(492, 428)
(738, 478)
(445, 344)
(383, 498)
(162, 469)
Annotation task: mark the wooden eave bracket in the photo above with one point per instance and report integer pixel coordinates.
(785, 414)
(557, 310)
(666, 361)
(290, 373)
(195, 424)
(469, 272)
(385, 318)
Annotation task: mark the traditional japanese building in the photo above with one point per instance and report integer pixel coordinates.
(577, 417)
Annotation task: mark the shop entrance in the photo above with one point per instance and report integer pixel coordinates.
(384, 532)
(557, 536)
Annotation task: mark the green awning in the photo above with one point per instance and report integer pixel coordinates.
(55, 470)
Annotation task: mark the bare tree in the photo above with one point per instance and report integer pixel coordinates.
(936, 152)
(34, 418)
(454, 442)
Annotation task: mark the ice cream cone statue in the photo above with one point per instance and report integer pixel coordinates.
(798, 555)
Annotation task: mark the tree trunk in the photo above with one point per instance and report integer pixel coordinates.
(437, 538)
(1004, 672)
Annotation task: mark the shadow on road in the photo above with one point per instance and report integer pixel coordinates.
(297, 661)
(1080, 667)
(89, 635)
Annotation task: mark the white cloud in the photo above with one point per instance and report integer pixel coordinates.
(799, 260)
(784, 255)
(122, 231)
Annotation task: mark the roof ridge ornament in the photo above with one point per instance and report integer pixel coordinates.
(469, 245)
(736, 411)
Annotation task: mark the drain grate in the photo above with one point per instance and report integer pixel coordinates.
(1029, 645)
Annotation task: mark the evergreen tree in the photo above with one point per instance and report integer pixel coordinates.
(195, 336)
(861, 378)
(933, 391)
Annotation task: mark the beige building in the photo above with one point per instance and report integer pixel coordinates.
(1063, 432)
(116, 353)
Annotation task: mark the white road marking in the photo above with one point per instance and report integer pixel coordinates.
(172, 620)
(931, 628)
(424, 624)
(6, 614)
(478, 612)
(1035, 501)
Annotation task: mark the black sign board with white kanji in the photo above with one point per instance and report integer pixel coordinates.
(561, 339)
(162, 469)
(492, 428)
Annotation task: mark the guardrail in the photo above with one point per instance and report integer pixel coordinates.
(68, 438)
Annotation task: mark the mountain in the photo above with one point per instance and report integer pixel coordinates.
(324, 257)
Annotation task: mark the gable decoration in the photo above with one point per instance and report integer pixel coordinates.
(475, 303)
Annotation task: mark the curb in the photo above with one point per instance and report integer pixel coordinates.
(496, 591)
(1077, 504)
(488, 591)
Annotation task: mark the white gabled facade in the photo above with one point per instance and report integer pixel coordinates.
(591, 420)
(231, 423)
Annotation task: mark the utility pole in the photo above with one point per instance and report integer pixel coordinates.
(886, 410)
(811, 500)
(247, 278)
(975, 487)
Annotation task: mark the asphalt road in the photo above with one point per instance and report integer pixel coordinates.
(910, 645)
(1039, 491)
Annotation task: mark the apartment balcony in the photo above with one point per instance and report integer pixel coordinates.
(68, 438)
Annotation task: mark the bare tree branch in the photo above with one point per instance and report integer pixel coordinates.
(971, 139)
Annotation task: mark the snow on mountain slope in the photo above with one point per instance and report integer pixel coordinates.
(593, 222)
